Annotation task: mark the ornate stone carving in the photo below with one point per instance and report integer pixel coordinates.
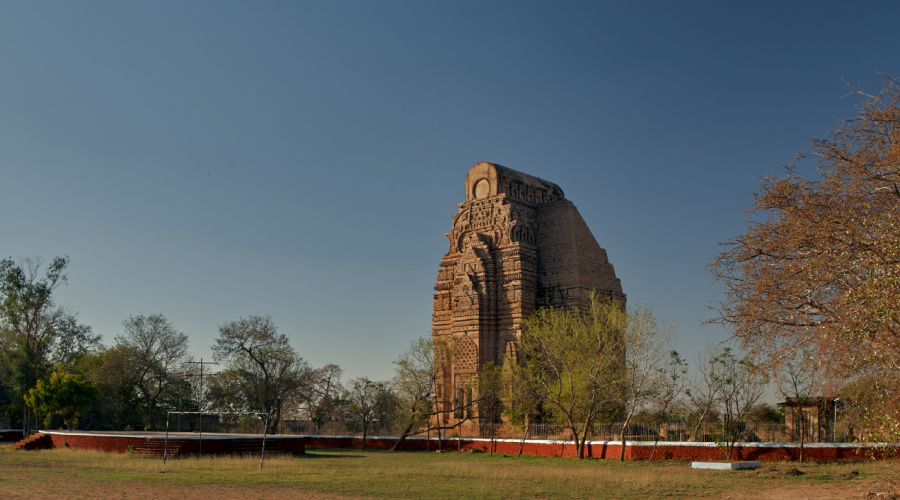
(516, 244)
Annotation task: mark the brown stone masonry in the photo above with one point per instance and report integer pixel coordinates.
(516, 244)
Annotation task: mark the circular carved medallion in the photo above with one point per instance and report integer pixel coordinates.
(482, 189)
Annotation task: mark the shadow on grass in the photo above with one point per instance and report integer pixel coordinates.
(324, 453)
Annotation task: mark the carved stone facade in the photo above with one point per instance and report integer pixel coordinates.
(517, 244)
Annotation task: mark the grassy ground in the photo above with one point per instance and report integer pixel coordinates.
(352, 473)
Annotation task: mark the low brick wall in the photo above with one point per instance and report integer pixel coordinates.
(98, 442)
(764, 452)
(120, 443)
(10, 434)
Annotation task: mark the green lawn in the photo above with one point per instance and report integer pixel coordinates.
(412, 475)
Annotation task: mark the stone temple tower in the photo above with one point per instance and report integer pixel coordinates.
(517, 244)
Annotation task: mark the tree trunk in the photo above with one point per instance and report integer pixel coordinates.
(579, 452)
(699, 423)
(365, 432)
(655, 444)
(26, 421)
(624, 428)
(492, 433)
(151, 406)
(30, 381)
(402, 437)
(276, 420)
(524, 434)
(585, 433)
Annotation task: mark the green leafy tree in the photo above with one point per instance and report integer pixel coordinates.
(72, 341)
(117, 406)
(524, 404)
(764, 413)
(65, 395)
(29, 323)
(490, 399)
(389, 413)
(575, 360)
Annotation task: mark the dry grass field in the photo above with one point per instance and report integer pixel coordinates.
(336, 474)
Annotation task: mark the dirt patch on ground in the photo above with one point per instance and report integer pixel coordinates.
(76, 488)
(818, 491)
(846, 485)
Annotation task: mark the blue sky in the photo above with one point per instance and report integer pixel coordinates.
(210, 160)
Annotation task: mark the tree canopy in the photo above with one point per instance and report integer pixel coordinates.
(818, 264)
(33, 329)
(818, 268)
(156, 354)
(65, 394)
(263, 369)
(574, 362)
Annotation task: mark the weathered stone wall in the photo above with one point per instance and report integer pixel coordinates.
(516, 244)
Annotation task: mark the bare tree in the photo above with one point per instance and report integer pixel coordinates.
(416, 381)
(73, 340)
(798, 379)
(156, 356)
(741, 385)
(419, 373)
(704, 389)
(672, 382)
(367, 400)
(263, 367)
(644, 344)
(323, 398)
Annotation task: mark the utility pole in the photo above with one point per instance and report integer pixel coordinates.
(200, 398)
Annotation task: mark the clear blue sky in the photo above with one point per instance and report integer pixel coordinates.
(210, 160)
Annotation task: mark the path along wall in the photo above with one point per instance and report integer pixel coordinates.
(765, 452)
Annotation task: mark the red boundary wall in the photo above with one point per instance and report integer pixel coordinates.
(764, 452)
(10, 434)
(212, 445)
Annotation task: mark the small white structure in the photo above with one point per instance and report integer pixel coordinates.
(726, 465)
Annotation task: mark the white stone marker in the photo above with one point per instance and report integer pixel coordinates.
(726, 465)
